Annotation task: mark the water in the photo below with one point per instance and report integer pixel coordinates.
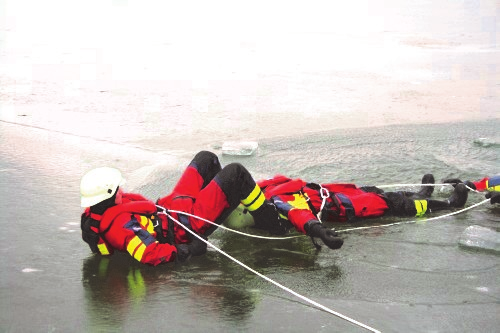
(388, 278)
(371, 92)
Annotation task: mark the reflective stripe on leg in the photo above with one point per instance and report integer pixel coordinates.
(421, 207)
(254, 200)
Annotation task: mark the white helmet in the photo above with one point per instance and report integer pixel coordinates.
(99, 184)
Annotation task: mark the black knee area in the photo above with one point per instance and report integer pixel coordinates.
(207, 164)
(236, 183)
(399, 204)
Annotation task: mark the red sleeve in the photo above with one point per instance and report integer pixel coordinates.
(157, 253)
(135, 235)
(299, 218)
(296, 209)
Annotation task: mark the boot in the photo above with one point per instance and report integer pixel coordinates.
(426, 191)
(459, 196)
(266, 217)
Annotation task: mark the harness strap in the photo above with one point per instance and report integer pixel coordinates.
(325, 194)
(160, 231)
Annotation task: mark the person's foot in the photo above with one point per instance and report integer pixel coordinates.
(459, 196)
(426, 191)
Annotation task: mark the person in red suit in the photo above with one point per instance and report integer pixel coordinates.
(128, 222)
(306, 205)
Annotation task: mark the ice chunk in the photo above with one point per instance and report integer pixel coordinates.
(479, 237)
(487, 142)
(239, 148)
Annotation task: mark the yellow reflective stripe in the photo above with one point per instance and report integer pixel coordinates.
(254, 200)
(299, 202)
(146, 223)
(259, 202)
(103, 249)
(493, 184)
(132, 245)
(136, 248)
(140, 252)
(495, 188)
(252, 196)
(421, 206)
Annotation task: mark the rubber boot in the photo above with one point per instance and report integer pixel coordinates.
(459, 196)
(426, 191)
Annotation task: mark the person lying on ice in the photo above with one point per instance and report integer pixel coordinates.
(128, 222)
(305, 205)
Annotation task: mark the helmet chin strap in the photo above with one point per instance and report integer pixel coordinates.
(101, 207)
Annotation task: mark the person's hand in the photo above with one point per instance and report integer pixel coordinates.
(328, 236)
(183, 253)
(493, 196)
(186, 251)
(198, 247)
(90, 228)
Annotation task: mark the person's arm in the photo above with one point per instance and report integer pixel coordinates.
(296, 209)
(126, 234)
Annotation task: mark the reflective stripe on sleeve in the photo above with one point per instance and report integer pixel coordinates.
(133, 244)
(103, 249)
(146, 223)
(140, 252)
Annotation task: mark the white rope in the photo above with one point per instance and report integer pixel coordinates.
(229, 229)
(322, 307)
(343, 230)
(414, 221)
(410, 185)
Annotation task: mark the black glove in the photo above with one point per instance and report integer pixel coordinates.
(89, 235)
(195, 248)
(455, 181)
(328, 236)
(183, 253)
(198, 247)
(493, 196)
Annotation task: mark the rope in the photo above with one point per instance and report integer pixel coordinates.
(229, 229)
(409, 185)
(343, 230)
(322, 307)
(308, 300)
(414, 221)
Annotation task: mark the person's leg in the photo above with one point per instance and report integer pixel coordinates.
(202, 169)
(425, 191)
(403, 205)
(230, 187)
